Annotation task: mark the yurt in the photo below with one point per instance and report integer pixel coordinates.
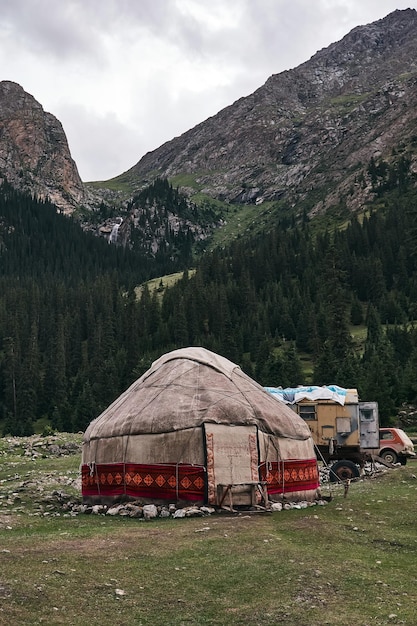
(196, 429)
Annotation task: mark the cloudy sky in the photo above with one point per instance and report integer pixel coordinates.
(124, 76)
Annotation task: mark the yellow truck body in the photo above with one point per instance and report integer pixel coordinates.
(344, 430)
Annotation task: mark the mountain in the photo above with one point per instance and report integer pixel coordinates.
(306, 137)
(34, 152)
(304, 143)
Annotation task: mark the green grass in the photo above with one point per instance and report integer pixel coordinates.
(242, 220)
(162, 283)
(349, 101)
(359, 334)
(186, 180)
(350, 562)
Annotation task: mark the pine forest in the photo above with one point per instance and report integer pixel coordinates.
(297, 304)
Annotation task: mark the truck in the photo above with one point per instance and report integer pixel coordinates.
(345, 430)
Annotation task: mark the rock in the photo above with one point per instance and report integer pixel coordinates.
(207, 510)
(114, 510)
(120, 592)
(150, 511)
(124, 512)
(54, 449)
(193, 512)
(34, 152)
(134, 510)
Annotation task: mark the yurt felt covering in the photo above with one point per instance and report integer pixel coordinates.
(193, 422)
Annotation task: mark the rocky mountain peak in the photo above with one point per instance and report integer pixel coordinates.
(313, 127)
(34, 152)
(369, 53)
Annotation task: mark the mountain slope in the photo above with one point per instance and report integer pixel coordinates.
(314, 127)
(34, 153)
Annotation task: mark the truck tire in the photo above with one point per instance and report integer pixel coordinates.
(390, 456)
(343, 470)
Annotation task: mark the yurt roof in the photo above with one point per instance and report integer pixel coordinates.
(191, 386)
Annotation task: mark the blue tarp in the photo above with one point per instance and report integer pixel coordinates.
(291, 395)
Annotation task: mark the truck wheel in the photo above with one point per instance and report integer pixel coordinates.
(390, 456)
(343, 470)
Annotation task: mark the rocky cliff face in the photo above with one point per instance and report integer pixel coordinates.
(311, 128)
(34, 153)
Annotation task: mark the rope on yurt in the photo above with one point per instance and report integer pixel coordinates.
(94, 471)
(97, 479)
(327, 467)
(283, 479)
(275, 444)
(280, 460)
(268, 464)
(124, 463)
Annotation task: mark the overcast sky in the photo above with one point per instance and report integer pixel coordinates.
(124, 76)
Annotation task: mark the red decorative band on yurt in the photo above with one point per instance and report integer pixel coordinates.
(290, 475)
(167, 481)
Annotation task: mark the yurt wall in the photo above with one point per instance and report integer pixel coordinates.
(289, 467)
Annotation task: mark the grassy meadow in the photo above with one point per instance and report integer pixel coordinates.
(351, 562)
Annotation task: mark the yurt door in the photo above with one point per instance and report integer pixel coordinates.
(232, 464)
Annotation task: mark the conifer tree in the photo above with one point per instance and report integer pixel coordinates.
(326, 366)
(409, 378)
(380, 381)
(374, 332)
